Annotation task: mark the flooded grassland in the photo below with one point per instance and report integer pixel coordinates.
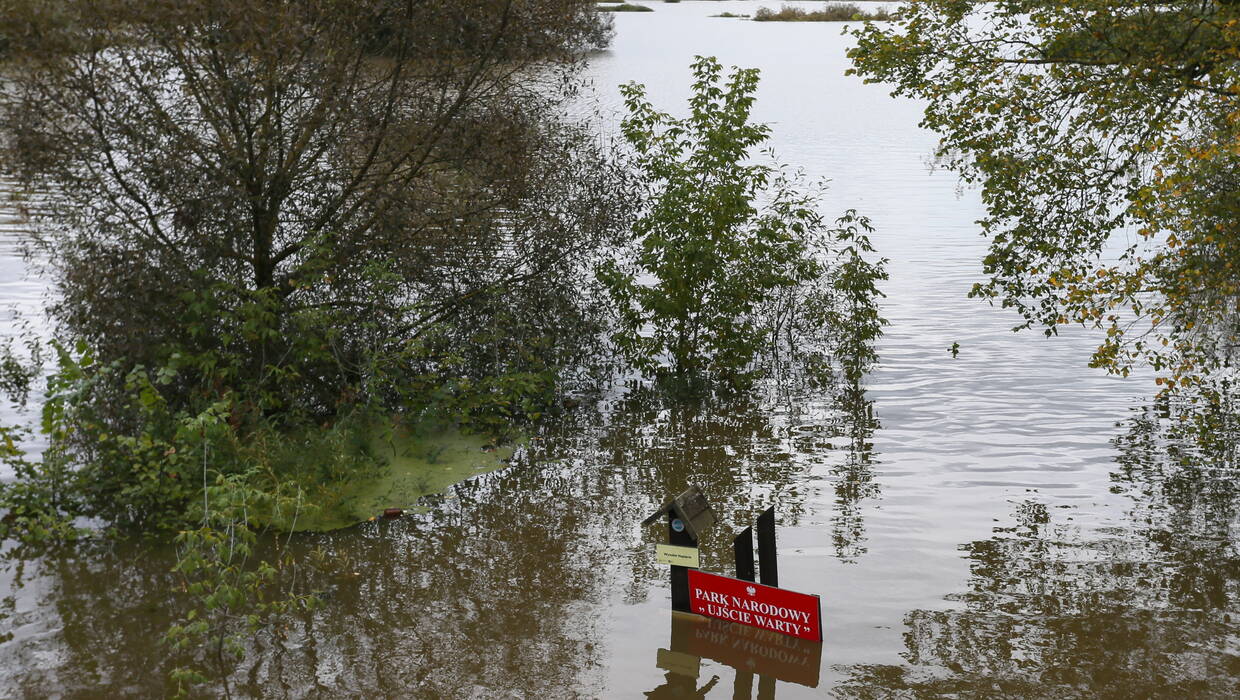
(1004, 522)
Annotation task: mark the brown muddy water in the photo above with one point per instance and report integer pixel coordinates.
(1008, 523)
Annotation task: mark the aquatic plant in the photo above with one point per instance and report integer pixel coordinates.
(234, 594)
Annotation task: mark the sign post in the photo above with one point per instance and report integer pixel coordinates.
(687, 515)
(767, 562)
(742, 547)
(680, 574)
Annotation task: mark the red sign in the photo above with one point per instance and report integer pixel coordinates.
(766, 607)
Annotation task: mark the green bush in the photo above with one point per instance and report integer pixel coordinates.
(625, 7)
(831, 13)
(733, 262)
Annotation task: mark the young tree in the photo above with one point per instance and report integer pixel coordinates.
(733, 259)
(1103, 136)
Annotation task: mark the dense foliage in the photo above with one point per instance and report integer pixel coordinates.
(1103, 134)
(276, 228)
(285, 218)
(733, 263)
(248, 191)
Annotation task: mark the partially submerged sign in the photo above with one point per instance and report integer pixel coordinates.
(673, 555)
(688, 514)
(766, 607)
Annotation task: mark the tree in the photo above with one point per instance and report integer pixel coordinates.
(733, 261)
(1103, 135)
(313, 199)
(282, 214)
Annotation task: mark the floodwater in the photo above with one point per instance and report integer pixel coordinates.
(1007, 522)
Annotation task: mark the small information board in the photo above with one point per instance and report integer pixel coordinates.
(766, 607)
(674, 555)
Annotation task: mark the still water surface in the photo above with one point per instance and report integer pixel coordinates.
(1002, 523)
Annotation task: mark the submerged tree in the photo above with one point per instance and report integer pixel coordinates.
(296, 197)
(733, 260)
(277, 212)
(1103, 134)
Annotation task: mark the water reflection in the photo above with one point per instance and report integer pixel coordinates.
(497, 587)
(1143, 607)
(854, 476)
(744, 453)
(679, 681)
(749, 651)
(481, 591)
(110, 606)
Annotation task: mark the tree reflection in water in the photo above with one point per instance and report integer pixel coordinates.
(854, 476)
(1148, 608)
(496, 586)
(746, 455)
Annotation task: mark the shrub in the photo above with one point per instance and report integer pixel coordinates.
(626, 7)
(832, 13)
(733, 261)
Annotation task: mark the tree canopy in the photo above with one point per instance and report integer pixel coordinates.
(733, 262)
(1105, 137)
(316, 201)
(273, 223)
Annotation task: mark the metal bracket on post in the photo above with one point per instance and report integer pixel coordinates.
(766, 548)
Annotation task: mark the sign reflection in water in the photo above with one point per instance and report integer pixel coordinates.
(750, 651)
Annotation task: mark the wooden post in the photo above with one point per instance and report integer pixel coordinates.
(680, 574)
(743, 547)
(766, 688)
(766, 548)
(742, 686)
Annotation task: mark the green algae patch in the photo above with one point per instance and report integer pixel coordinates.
(408, 464)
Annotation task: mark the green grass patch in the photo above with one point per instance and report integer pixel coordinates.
(409, 464)
(832, 13)
(625, 7)
(731, 15)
